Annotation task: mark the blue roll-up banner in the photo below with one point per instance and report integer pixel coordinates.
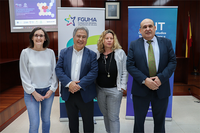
(165, 19)
(68, 19)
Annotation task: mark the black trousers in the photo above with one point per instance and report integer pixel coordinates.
(159, 108)
(75, 104)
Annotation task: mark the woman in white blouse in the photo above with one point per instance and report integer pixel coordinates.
(37, 71)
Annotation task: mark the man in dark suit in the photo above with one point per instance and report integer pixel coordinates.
(77, 68)
(150, 85)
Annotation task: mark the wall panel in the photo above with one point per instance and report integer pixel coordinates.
(93, 3)
(99, 3)
(134, 3)
(107, 24)
(66, 3)
(1, 23)
(51, 41)
(3, 41)
(20, 41)
(124, 19)
(15, 44)
(112, 25)
(55, 42)
(181, 29)
(195, 13)
(118, 32)
(8, 34)
(25, 40)
(87, 3)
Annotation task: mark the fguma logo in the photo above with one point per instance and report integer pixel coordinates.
(81, 21)
(70, 20)
(87, 21)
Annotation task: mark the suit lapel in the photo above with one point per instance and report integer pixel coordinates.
(69, 59)
(161, 48)
(84, 60)
(142, 50)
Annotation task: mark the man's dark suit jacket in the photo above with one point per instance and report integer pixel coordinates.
(88, 73)
(138, 68)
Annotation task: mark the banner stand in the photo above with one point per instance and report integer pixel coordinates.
(80, 119)
(147, 118)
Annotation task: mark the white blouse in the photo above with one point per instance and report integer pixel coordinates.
(37, 70)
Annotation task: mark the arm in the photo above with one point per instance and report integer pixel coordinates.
(171, 64)
(63, 78)
(124, 76)
(54, 84)
(24, 74)
(133, 70)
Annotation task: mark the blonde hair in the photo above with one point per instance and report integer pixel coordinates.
(100, 46)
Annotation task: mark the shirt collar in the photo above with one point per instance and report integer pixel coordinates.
(78, 52)
(153, 39)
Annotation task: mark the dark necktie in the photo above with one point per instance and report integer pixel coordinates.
(151, 60)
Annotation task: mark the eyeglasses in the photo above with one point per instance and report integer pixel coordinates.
(36, 35)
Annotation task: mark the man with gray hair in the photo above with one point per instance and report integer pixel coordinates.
(77, 68)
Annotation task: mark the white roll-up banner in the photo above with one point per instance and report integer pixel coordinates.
(68, 19)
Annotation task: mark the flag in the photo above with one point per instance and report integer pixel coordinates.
(189, 39)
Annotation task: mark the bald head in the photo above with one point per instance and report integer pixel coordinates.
(146, 20)
(147, 29)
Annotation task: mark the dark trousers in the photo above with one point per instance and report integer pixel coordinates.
(75, 104)
(159, 108)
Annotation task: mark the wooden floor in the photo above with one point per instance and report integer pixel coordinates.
(11, 105)
(194, 80)
(9, 97)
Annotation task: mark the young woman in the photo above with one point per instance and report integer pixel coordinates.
(37, 71)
